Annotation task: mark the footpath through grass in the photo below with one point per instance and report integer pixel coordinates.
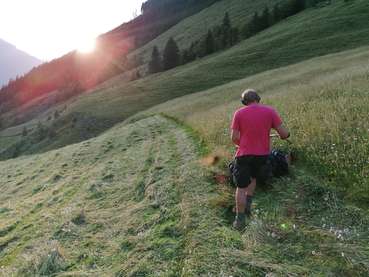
(324, 102)
(132, 202)
(137, 202)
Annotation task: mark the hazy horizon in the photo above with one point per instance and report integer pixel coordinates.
(49, 29)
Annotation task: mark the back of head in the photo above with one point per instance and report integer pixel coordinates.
(250, 96)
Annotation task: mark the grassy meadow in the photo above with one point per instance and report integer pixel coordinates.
(331, 28)
(140, 200)
(117, 205)
(278, 46)
(196, 26)
(137, 201)
(324, 102)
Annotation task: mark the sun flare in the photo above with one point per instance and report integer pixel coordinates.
(86, 46)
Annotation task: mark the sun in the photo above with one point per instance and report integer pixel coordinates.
(86, 46)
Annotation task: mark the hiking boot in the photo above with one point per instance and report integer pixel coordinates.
(239, 225)
(239, 222)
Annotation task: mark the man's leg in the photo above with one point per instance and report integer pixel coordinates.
(242, 180)
(249, 193)
(240, 200)
(240, 220)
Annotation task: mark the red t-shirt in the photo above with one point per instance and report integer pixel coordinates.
(254, 123)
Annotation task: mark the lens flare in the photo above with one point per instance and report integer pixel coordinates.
(86, 46)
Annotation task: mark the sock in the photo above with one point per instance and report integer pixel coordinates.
(248, 205)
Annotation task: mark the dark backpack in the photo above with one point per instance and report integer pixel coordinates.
(278, 163)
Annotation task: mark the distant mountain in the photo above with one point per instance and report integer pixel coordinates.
(14, 62)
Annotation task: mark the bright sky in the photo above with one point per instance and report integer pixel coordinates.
(48, 29)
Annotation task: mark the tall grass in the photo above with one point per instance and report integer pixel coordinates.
(331, 132)
(324, 104)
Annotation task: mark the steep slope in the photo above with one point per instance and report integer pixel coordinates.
(74, 72)
(193, 28)
(334, 27)
(136, 202)
(125, 203)
(324, 101)
(14, 62)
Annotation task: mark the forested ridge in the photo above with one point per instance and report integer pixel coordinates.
(75, 73)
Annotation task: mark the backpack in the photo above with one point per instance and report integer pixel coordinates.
(278, 163)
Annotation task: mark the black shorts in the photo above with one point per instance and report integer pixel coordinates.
(247, 167)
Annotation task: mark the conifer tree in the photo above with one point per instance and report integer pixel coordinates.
(185, 56)
(254, 25)
(234, 36)
(171, 56)
(300, 5)
(155, 62)
(277, 15)
(41, 131)
(226, 21)
(226, 30)
(192, 50)
(189, 54)
(209, 43)
(292, 7)
(265, 19)
(24, 132)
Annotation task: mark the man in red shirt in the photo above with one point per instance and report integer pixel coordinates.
(251, 128)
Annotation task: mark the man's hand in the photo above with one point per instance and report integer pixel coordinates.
(235, 136)
(283, 132)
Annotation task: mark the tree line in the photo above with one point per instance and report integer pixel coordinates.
(224, 35)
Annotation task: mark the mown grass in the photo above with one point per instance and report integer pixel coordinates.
(132, 202)
(135, 201)
(310, 223)
(86, 209)
(301, 227)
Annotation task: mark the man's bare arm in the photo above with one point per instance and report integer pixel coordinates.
(235, 136)
(283, 132)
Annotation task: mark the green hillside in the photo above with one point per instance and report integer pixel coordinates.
(324, 102)
(195, 27)
(335, 27)
(138, 197)
(136, 201)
